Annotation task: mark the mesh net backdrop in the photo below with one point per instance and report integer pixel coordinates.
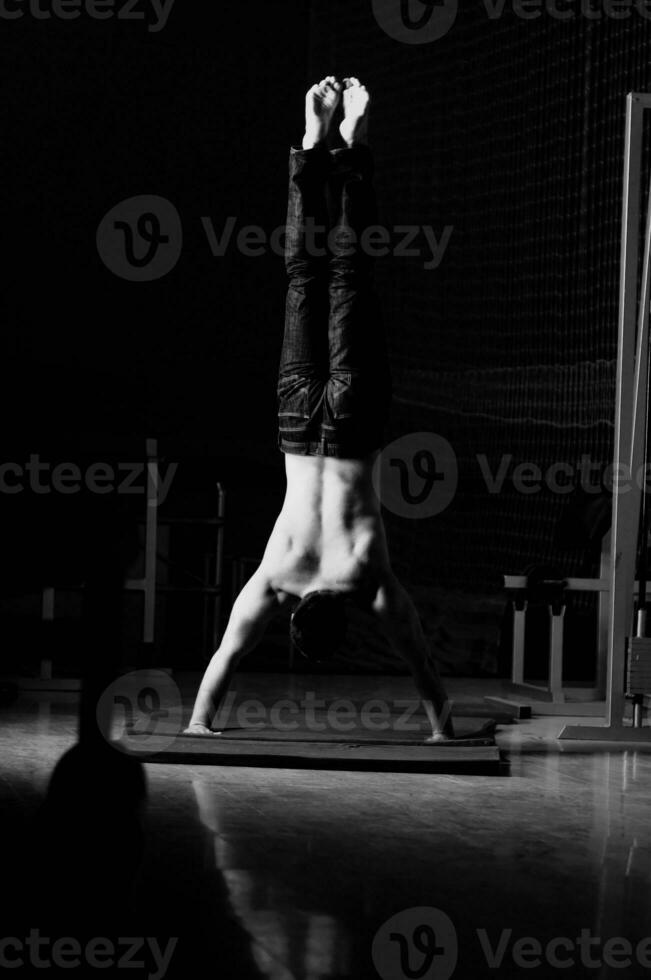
(511, 132)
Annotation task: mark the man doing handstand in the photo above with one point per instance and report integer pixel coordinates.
(328, 546)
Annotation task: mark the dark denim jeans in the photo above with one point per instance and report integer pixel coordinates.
(334, 384)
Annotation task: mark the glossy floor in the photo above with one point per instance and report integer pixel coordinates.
(285, 874)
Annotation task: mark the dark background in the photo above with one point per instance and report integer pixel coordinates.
(508, 130)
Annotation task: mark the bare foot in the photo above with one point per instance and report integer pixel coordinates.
(354, 126)
(199, 730)
(320, 103)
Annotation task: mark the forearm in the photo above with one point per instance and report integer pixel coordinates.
(252, 609)
(410, 643)
(434, 696)
(213, 688)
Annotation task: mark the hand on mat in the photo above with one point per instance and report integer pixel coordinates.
(487, 730)
(199, 730)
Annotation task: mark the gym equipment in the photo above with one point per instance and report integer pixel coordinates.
(638, 664)
(153, 522)
(546, 585)
(148, 583)
(629, 450)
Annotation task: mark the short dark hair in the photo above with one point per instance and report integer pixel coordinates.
(319, 624)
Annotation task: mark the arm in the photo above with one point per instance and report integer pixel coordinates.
(254, 607)
(399, 618)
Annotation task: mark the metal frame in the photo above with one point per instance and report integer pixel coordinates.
(211, 589)
(555, 699)
(633, 339)
(148, 584)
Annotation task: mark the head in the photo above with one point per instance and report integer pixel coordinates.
(319, 624)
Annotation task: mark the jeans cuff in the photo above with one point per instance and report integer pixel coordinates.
(312, 151)
(358, 157)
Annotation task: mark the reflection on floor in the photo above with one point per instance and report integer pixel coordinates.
(285, 874)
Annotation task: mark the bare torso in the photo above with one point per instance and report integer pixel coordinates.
(329, 533)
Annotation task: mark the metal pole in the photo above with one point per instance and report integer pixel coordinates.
(625, 510)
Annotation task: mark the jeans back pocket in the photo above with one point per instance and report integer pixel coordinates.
(341, 395)
(293, 396)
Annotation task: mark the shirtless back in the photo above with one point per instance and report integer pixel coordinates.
(329, 533)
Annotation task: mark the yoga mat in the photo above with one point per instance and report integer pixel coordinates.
(305, 749)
